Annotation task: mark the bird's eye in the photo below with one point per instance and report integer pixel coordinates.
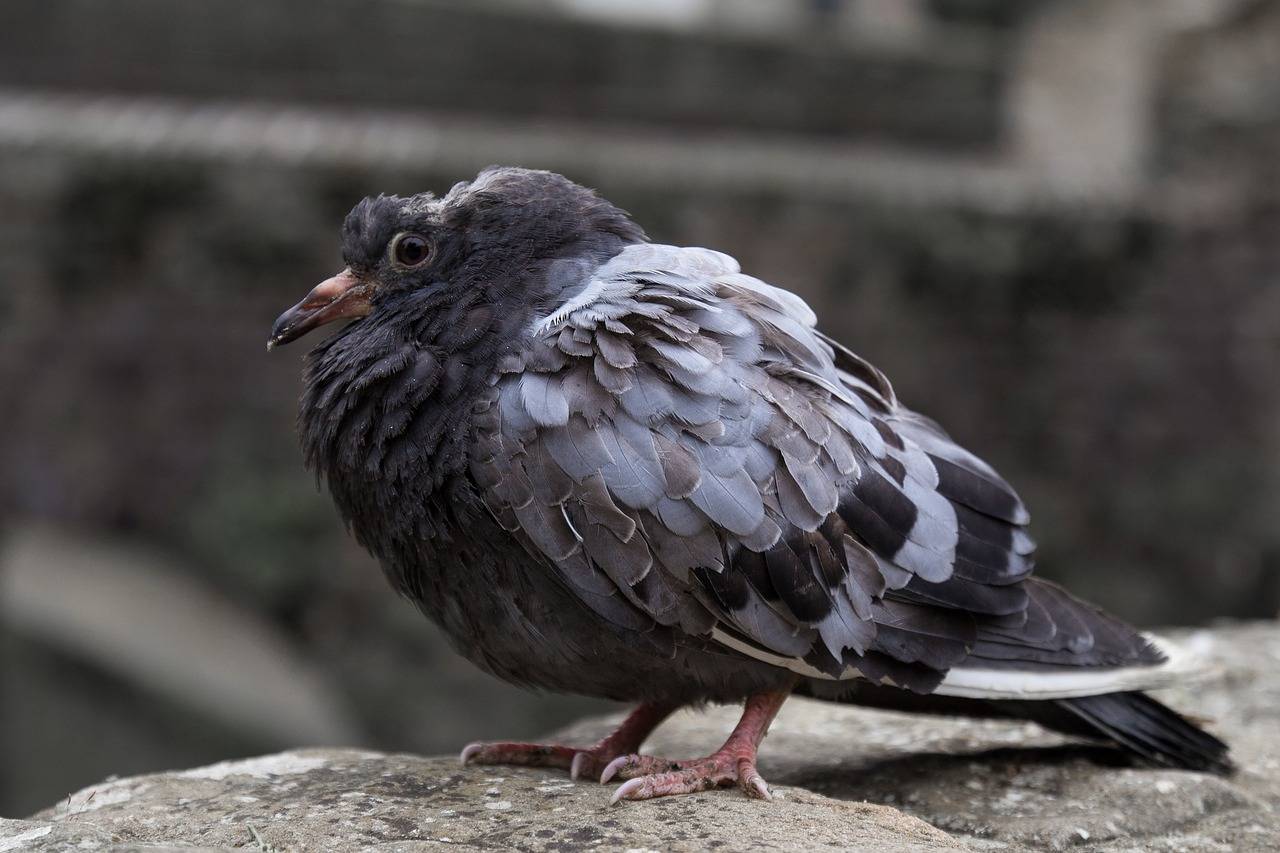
(411, 250)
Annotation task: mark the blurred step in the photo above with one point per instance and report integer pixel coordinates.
(162, 128)
(141, 617)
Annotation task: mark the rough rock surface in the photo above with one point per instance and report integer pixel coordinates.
(845, 779)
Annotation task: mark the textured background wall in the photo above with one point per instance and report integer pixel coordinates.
(1054, 224)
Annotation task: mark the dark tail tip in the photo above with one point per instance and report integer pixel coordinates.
(1153, 731)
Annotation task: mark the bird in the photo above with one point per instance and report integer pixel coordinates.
(620, 469)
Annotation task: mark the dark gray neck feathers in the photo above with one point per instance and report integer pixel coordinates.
(386, 413)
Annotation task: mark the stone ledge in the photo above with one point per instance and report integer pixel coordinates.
(846, 778)
(349, 800)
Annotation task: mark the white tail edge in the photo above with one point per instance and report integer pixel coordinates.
(1181, 666)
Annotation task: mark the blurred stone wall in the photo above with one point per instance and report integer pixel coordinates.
(1052, 223)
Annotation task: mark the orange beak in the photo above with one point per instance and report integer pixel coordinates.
(343, 297)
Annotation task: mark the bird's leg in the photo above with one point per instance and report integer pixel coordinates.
(581, 762)
(733, 763)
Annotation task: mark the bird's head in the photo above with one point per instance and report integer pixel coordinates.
(503, 231)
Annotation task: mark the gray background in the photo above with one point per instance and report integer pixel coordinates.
(1054, 224)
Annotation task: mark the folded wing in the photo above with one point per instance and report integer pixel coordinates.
(690, 456)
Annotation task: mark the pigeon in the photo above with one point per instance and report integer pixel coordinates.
(625, 470)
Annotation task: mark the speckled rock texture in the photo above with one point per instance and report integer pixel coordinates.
(844, 779)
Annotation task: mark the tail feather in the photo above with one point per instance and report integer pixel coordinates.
(1157, 733)
(1132, 720)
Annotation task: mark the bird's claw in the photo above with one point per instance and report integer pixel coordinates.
(756, 787)
(469, 752)
(579, 767)
(634, 766)
(628, 790)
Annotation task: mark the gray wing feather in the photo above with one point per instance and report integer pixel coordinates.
(731, 501)
(578, 449)
(635, 476)
(680, 517)
(648, 398)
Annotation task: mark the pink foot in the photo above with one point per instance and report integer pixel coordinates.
(646, 781)
(732, 764)
(581, 762)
